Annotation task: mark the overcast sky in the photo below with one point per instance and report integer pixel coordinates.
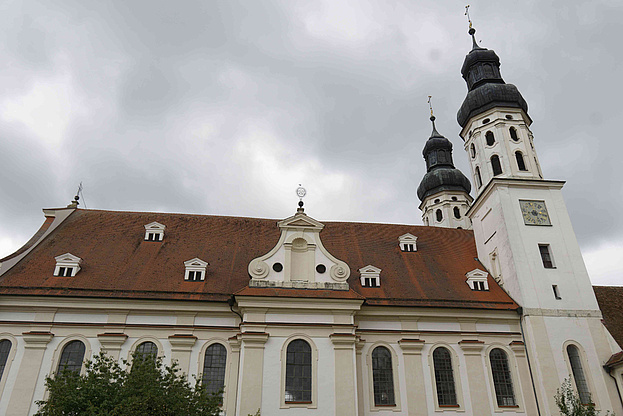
(225, 107)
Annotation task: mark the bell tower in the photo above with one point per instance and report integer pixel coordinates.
(444, 190)
(524, 237)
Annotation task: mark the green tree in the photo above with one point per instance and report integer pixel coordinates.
(144, 387)
(569, 404)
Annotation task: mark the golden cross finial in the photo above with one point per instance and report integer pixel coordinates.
(430, 105)
(467, 14)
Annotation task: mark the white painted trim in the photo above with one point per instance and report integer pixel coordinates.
(314, 363)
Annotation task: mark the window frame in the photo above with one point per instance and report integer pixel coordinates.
(201, 363)
(520, 156)
(140, 340)
(549, 253)
(397, 407)
(499, 163)
(514, 374)
(458, 389)
(445, 405)
(9, 360)
(314, 375)
(478, 177)
(585, 367)
(58, 352)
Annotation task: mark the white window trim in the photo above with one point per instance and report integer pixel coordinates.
(475, 276)
(139, 341)
(154, 228)
(195, 265)
(314, 362)
(373, 407)
(9, 359)
(370, 272)
(514, 370)
(585, 369)
(405, 240)
(455, 373)
(67, 260)
(201, 362)
(61, 345)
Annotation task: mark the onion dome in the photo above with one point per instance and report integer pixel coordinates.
(486, 88)
(441, 174)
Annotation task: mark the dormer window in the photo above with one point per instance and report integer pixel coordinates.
(408, 242)
(477, 280)
(67, 265)
(195, 270)
(370, 276)
(154, 231)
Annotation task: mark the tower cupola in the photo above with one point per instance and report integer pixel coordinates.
(495, 122)
(441, 174)
(486, 88)
(444, 190)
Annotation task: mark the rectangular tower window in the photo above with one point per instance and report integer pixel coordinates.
(546, 256)
(556, 293)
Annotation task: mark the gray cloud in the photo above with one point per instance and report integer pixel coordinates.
(224, 107)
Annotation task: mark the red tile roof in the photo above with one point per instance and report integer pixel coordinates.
(610, 300)
(118, 263)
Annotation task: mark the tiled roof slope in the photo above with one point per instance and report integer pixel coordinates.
(610, 299)
(118, 263)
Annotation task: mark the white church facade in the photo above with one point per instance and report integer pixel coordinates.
(484, 310)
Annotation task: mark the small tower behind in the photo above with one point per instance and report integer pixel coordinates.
(444, 190)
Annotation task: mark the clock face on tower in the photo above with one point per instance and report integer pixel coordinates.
(534, 212)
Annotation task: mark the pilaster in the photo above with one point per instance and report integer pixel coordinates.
(472, 351)
(35, 344)
(251, 374)
(181, 345)
(231, 388)
(519, 351)
(111, 343)
(414, 375)
(345, 374)
(359, 363)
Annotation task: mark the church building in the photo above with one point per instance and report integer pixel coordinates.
(483, 310)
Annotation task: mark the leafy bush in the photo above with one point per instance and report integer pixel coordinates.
(569, 404)
(144, 387)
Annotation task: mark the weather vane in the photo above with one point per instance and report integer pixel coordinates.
(467, 14)
(430, 105)
(300, 192)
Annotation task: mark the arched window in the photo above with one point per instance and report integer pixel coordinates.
(382, 377)
(457, 213)
(520, 163)
(502, 380)
(478, 178)
(72, 356)
(213, 377)
(444, 377)
(578, 374)
(5, 348)
(490, 138)
(472, 150)
(298, 372)
(513, 133)
(495, 164)
(147, 349)
(439, 215)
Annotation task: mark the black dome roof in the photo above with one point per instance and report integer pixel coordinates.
(443, 179)
(486, 88)
(488, 96)
(441, 175)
